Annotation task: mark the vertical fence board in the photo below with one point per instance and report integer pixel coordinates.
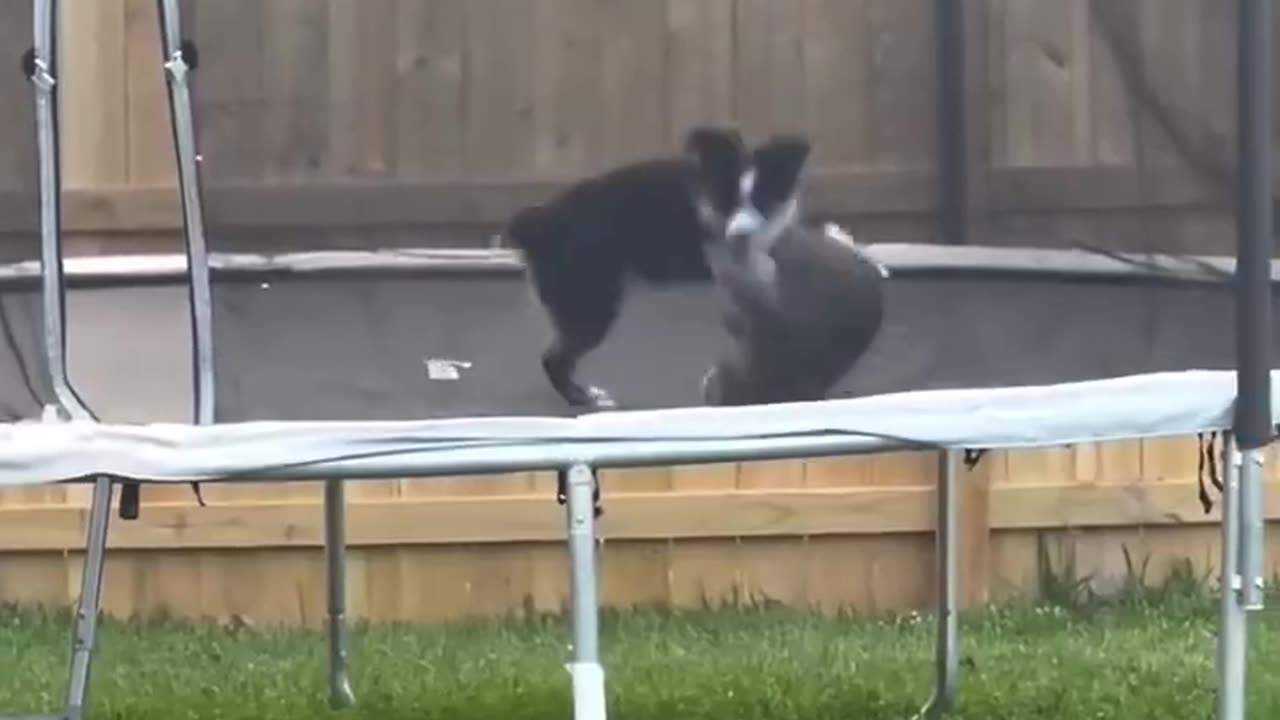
(769, 77)
(297, 45)
(429, 92)
(699, 65)
(498, 114)
(900, 103)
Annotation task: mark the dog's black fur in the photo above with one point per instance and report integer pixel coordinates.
(802, 302)
(582, 246)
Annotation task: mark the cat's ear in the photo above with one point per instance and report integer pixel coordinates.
(780, 163)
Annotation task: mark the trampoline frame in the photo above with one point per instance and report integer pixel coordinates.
(1242, 520)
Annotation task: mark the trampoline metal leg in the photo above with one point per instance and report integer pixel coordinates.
(1253, 530)
(587, 672)
(946, 648)
(87, 609)
(1233, 622)
(335, 541)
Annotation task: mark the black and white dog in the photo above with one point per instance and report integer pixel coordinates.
(802, 302)
(583, 246)
(673, 220)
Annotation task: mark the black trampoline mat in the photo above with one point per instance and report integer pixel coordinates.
(362, 347)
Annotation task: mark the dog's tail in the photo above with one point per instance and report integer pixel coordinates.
(530, 234)
(524, 231)
(839, 234)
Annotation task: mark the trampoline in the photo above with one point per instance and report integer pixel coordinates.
(336, 359)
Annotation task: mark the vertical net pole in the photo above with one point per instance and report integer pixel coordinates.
(1253, 282)
(44, 81)
(1242, 511)
(949, 119)
(587, 672)
(177, 67)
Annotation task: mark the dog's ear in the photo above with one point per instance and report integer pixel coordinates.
(780, 164)
(709, 144)
(717, 155)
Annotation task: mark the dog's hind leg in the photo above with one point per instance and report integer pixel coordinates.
(559, 361)
(726, 383)
(582, 311)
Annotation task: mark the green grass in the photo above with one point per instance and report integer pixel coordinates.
(1148, 654)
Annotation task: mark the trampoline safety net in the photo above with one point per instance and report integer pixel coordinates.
(304, 149)
(24, 385)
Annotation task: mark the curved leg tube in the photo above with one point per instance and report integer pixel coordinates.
(947, 649)
(588, 674)
(86, 621)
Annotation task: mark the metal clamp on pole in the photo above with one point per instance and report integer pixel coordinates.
(587, 672)
(562, 494)
(40, 75)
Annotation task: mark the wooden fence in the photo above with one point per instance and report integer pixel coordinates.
(443, 114)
